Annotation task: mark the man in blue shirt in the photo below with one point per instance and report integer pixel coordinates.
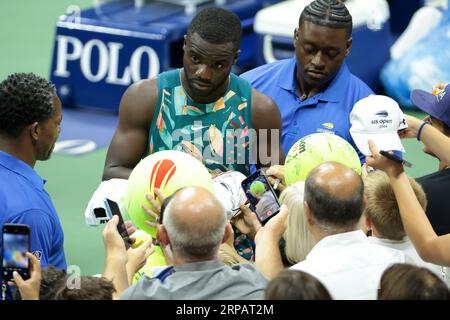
(30, 119)
(315, 90)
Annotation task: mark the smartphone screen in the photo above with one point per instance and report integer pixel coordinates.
(16, 243)
(262, 198)
(113, 209)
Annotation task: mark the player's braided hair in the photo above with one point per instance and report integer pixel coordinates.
(25, 98)
(328, 13)
(217, 26)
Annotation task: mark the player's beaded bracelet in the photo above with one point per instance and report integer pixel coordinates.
(419, 132)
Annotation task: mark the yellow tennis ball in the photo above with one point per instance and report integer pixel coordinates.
(140, 237)
(156, 259)
(315, 149)
(168, 171)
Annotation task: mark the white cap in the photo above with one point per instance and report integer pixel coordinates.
(377, 118)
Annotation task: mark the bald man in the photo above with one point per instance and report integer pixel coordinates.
(343, 259)
(193, 227)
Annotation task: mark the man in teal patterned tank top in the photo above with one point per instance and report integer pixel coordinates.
(202, 109)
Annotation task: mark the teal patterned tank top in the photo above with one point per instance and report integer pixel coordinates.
(218, 134)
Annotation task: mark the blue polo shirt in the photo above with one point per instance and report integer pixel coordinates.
(328, 111)
(23, 200)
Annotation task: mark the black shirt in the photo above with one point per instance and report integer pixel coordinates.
(437, 188)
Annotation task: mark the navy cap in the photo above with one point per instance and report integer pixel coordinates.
(437, 106)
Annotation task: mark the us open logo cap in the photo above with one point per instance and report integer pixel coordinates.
(377, 118)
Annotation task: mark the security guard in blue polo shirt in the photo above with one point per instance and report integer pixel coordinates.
(315, 91)
(30, 120)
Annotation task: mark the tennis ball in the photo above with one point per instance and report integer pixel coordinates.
(168, 171)
(258, 188)
(315, 149)
(140, 237)
(155, 260)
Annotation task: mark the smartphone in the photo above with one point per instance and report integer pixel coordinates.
(16, 243)
(261, 196)
(395, 158)
(112, 208)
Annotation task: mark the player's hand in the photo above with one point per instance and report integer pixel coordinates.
(246, 221)
(156, 213)
(29, 289)
(274, 173)
(376, 160)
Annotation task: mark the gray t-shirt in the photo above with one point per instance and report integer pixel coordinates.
(207, 280)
